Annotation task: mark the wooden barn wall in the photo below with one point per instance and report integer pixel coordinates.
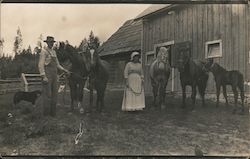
(199, 24)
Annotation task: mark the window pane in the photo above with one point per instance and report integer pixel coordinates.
(214, 50)
(150, 59)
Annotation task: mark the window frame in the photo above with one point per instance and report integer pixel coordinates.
(213, 42)
(147, 54)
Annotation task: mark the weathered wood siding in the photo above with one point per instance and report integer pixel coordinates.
(199, 24)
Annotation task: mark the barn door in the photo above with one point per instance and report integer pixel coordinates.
(178, 48)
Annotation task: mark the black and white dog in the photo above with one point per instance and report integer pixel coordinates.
(26, 96)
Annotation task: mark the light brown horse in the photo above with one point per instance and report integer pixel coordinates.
(159, 75)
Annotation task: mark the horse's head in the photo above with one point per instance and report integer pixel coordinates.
(92, 58)
(182, 61)
(209, 65)
(163, 57)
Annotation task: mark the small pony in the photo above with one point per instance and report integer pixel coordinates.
(223, 78)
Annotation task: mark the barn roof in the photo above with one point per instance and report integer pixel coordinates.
(153, 9)
(126, 39)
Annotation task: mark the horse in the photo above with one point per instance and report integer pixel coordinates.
(223, 78)
(159, 74)
(79, 72)
(98, 77)
(192, 74)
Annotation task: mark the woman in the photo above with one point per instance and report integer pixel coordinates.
(133, 98)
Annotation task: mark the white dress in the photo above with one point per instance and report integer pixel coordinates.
(133, 98)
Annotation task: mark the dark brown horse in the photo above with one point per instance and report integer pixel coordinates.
(223, 78)
(98, 77)
(159, 75)
(79, 72)
(192, 74)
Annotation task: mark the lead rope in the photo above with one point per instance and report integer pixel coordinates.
(79, 134)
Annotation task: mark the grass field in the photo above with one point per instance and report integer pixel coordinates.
(172, 131)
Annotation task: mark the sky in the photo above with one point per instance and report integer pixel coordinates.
(70, 22)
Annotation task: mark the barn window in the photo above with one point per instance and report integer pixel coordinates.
(213, 49)
(150, 57)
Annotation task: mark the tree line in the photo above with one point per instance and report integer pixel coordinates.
(26, 60)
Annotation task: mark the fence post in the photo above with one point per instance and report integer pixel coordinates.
(25, 82)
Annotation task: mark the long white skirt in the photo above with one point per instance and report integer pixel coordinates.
(133, 98)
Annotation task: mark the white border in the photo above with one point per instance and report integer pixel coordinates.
(213, 42)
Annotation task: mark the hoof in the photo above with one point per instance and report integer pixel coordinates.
(81, 111)
(163, 106)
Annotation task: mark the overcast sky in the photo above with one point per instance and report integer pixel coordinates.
(70, 22)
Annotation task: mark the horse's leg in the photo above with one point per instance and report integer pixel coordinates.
(242, 95)
(202, 93)
(183, 86)
(162, 94)
(71, 94)
(217, 93)
(155, 91)
(91, 94)
(81, 92)
(235, 97)
(193, 96)
(225, 93)
(98, 100)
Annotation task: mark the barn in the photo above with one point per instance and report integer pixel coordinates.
(117, 49)
(219, 31)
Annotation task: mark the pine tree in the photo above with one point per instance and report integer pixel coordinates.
(1, 47)
(93, 40)
(18, 42)
(29, 51)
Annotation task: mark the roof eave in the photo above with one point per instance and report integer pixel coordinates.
(157, 12)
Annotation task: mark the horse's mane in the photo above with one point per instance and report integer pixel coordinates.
(220, 68)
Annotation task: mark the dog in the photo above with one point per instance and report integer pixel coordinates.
(26, 96)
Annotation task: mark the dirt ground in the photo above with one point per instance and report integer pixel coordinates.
(172, 131)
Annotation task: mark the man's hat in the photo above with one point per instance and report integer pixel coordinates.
(49, 39)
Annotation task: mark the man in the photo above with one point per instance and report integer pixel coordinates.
(48, 65)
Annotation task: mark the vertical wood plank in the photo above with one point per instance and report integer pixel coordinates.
(242, 38)
(194, 31)
(199, 31)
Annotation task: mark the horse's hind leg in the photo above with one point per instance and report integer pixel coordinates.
(202, 93)
(155, 91)
(225, 93)
(242, 95)
(235, 98)
(72, 94)
(81, 92)
(217, 94)
(162, 95)
(193, 96)
(183, 86)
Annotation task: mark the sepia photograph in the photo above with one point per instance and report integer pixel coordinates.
(125, 79)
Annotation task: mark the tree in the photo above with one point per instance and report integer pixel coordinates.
(29, 51)
(83, 43)
(18, 42)
(93, 40)
(1, 47)
(39, 45)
